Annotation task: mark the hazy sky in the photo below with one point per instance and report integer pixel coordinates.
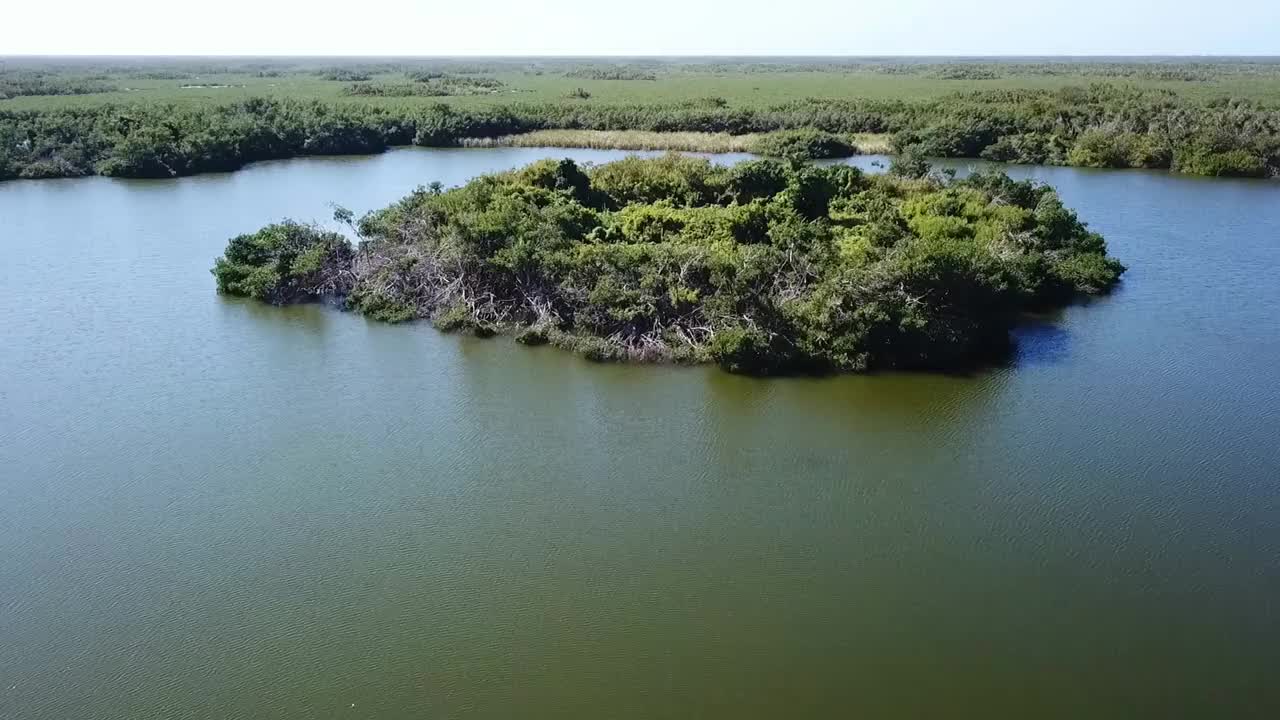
(647, 27)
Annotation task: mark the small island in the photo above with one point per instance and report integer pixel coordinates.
(763, 267)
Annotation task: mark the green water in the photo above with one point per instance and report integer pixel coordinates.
(215, 509)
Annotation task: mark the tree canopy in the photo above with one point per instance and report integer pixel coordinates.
(1099, 126)
(761, 267)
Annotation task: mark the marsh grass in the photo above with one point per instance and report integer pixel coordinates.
(872, 143)
(744, 83)
(647, 140)
(621, 140)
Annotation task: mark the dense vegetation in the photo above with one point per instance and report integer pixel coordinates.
(344, 75)
(1206, 118)
(163, 141)
(762, 267)
(34, 84)
(803, 145)
(436, 86)
(618, 73)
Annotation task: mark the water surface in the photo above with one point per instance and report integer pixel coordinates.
(214, 509)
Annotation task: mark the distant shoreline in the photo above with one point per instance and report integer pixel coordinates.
(155, 118)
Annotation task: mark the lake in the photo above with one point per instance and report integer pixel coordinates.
(211, 508)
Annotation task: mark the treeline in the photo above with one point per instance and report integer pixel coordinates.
(963, 72)
(1099, 126)
(1153, 71)
(344, 75)
(610, 73)
(156, 141)
(1102, 126)
(432, 86)
(763, 267)
(1156, 69)
(31, 84)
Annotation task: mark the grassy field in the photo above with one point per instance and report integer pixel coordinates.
(738, 83)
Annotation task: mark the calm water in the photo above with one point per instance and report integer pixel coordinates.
(215, 509)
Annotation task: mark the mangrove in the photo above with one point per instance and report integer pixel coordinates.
(1099, 126)
(762, 267)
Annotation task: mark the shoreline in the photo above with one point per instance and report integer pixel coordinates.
(705, 142)
(516, 141)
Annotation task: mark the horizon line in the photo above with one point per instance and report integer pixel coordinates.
(555, 56)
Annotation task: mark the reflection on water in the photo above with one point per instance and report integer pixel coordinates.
(1040, 340)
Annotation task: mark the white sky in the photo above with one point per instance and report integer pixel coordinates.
(645, 27)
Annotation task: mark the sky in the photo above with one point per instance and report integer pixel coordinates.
(647, 27)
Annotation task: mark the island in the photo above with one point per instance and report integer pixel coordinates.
(763, 267)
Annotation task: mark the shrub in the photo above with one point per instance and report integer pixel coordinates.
(910, 163)
(533, 335)
(804, 145)
(748, 351)
(1220, 163)
(284, 263)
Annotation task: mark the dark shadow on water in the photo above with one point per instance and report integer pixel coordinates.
(309, 318)
(1040, 341)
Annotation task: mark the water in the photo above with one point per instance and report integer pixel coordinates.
(215, 509)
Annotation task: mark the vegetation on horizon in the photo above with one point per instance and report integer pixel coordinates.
(763, 267)
(424, 86)
(176, 117)
(22, 84)
(619, 73)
